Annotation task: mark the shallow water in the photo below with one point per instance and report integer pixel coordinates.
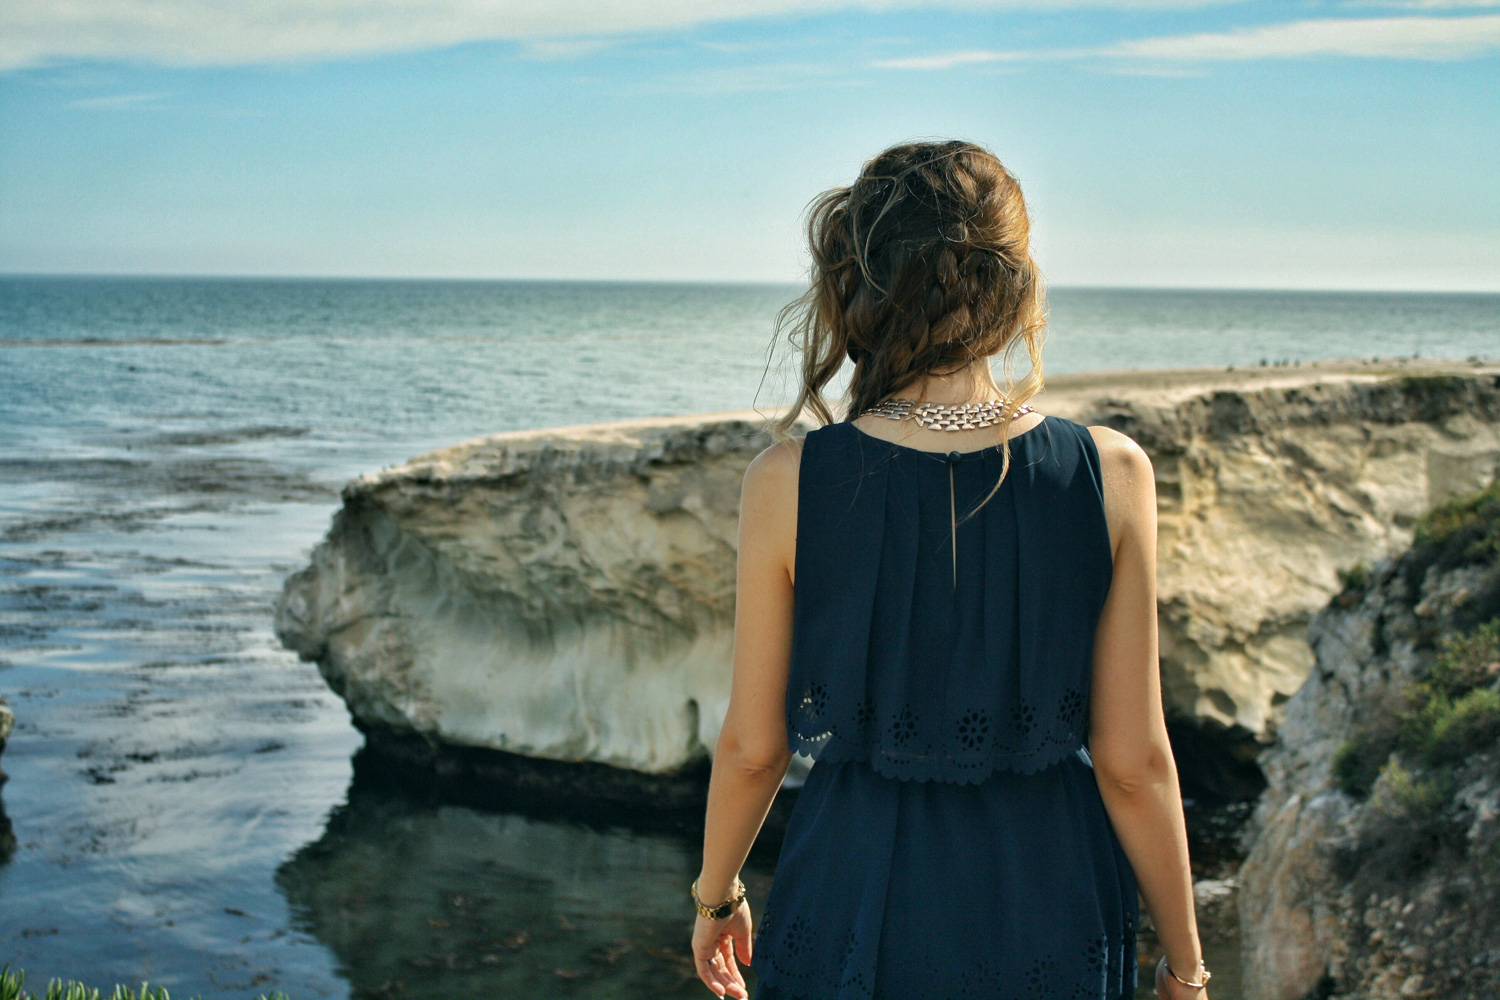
(181, 790)
(170, 452)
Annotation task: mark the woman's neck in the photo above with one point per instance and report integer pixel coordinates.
(967, 385)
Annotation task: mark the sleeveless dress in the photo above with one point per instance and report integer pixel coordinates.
(950, 840)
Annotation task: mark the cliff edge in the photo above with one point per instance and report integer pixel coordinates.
(567, 594)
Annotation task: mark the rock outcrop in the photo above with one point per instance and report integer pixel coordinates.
(569, 593)
(7, 834)
(1373, 865)
(7, 722)
(565, 593)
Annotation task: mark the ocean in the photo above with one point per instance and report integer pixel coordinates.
(181, 790)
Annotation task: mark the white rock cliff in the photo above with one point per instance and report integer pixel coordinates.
(568, 593)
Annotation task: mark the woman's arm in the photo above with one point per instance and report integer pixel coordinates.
(751, 756)
(1133, 761)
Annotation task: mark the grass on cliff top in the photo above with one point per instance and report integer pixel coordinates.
(11, 983)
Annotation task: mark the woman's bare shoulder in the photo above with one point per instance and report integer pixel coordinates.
(1120, 452)
(1129, 484)
(768, 507)
(777, 464)
(770, 484)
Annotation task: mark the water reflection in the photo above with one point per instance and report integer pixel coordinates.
(419, 892)
(7, 836)
(418, 895)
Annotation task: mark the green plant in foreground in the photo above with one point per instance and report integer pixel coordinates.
(11, 982)
(1467, 661)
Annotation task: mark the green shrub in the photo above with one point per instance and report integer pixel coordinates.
(1357, 763)
(1467, 660)
(1464, 528)
(1355, 577)
(11, 982)
(1419, 794)
(1452, 712)
(1449, 715)
(1463, 727)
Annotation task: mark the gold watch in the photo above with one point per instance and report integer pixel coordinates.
(724, 909)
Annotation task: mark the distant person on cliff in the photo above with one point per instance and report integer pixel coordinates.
(948, 600)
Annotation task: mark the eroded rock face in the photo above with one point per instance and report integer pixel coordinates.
(1267, 494)
(565, 594)
(1392, 889)
(569, 593)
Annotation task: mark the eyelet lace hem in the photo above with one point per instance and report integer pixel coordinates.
(966, 748)
(941, 768)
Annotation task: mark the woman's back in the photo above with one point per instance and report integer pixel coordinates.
(940, 678)
(939, 646)
(981, 693)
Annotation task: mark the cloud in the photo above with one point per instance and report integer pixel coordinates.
(1425, 4)
(743, 79)
(948, 60)
(1379, 38)
(1376, 38)
(229, 32)
(1126, 69)
(113, 101)
(565, 48)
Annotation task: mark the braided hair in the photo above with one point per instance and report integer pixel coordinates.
(921, 266)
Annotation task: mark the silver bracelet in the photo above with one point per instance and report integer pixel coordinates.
(1206, 974)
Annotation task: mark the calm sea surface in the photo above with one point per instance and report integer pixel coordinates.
(181, 792)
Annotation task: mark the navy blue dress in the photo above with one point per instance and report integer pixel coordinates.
(950, 840)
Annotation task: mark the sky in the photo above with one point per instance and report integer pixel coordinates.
(1291, 144)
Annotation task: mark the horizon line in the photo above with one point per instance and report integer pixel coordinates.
(470, 279)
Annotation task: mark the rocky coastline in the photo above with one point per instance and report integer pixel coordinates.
(542, 620)
(566, 594)
(1373, 865)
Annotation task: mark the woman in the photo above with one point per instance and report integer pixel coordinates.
(992, 782)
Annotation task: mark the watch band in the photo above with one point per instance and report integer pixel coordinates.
(721, 910)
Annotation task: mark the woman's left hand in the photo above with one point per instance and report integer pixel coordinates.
(716, 943)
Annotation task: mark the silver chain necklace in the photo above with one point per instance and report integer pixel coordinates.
(946, 416)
